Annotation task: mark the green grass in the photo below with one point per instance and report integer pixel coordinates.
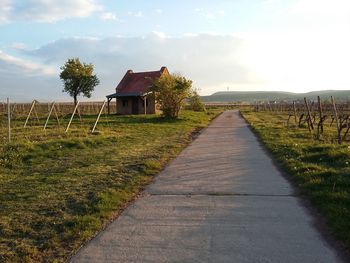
(321, 169)
(57, 190)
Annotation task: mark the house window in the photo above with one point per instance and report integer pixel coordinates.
(125, 103)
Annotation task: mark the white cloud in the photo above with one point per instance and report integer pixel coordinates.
(332, 8)
(11, 64)
(214, 62)
(209, 60)
(46, 10)
(159, 11)
(191, 34)
(159, 34)
(209, 14)
(25, 80)
(221, 12)
(18, 46)
(135, 14)
(271, 2)
(108, 16)
(5, 9)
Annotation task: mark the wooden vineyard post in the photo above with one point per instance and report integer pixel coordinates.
(70, 121)
(30, 112)
(336, 120)
(289, 116)
(295, 113)
(8, 121)
(14, 108)
(98, 117)
(48, 117)
(57, 119)
(36, 115)
(309, 120)
(320, 112)
(347, 130)
(308, 114)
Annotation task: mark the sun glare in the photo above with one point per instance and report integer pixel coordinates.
(302, 61)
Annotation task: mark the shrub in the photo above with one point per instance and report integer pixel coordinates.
(171, 92)
(195, 103)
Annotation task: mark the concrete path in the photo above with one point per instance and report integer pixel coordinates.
(221, 200)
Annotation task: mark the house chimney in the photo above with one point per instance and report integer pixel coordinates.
(164, 69)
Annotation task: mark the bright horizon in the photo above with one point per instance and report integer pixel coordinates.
(264, 45)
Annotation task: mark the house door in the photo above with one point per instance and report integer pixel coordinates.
(135, 105)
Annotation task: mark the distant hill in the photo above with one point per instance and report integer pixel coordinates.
(251, 96)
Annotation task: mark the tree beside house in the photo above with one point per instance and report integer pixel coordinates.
(78, 78)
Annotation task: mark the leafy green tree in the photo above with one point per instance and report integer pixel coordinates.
(170, 92)
(78, 78)
(195, 103)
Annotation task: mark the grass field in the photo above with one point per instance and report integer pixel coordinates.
(57, 190)
(321, 169)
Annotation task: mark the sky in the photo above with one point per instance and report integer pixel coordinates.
(285, 45)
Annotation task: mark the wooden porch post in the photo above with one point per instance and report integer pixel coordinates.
(108, 101)
(145, 104)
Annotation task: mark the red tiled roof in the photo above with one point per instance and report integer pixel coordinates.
(138, 83)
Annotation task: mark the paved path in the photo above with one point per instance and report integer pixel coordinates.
(221, 200)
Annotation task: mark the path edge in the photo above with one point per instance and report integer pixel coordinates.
(318, 220)
(195, 133)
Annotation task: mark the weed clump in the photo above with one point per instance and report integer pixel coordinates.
(10, 156)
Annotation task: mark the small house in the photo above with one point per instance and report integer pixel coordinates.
(133, 95)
